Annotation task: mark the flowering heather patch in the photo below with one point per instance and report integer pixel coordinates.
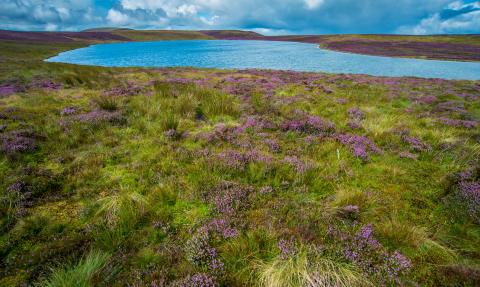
(68, 111)
(299, 165)
(273, 145)
(356, 114)
(451, 107)
(359, 145)
(46, 84)
(354, 125)
(239, 160)
(406, 48)
(220, 133)
(427, 100)
(130, 90)
(7, 90)
(18, 141)
(266, 190)
(229, 198)
(174, 134)
(310, 124)
(256, 124)
(370, 256)
(202, 254)
(99, 116)
(22, 197)
(468, 187)
(356, 117)
(287, 248)
(221, 226)
(468, 124)
(415, 143)
(198, 280)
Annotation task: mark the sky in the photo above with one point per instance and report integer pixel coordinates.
(269, 17)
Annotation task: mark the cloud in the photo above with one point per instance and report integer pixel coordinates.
(456, 17)
(270, 16)
(117, 18)
(45, 15)
(312, 4)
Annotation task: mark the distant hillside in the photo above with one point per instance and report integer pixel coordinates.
(105, 29)
(232, 34)
(60, 37)
(152, 35)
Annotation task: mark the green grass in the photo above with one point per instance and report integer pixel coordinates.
(80, 274)
(136, 195)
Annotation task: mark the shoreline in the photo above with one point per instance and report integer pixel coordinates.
(432, 47)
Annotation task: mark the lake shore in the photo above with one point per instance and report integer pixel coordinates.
(438, 47)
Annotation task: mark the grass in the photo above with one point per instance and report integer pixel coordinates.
(143, 166)
(80, 274)
(300, 271)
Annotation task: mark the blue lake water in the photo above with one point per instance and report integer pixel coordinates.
(242, 54)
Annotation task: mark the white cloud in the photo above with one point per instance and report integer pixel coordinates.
(51, 27)
(187, 9)
(468, 22)
(313, 4)
(45, 14)
(117, 18)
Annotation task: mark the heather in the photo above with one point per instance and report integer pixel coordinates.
(203, 177)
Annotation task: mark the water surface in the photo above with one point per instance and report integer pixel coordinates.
(242, 54)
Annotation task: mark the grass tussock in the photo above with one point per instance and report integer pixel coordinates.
(302, 271)
(80, 274)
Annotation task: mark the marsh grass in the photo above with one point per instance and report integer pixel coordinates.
(79, 274)
(300, 270)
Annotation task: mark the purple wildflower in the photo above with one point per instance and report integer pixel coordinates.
(354, 125)
(359, 145)
(8, 90)
(356, 114)
(287, 248)
(220, 132)
(130, 90)
(468, 124)
(46, 84)
(310, 124)
(299, 165)
(202, 254)
(272, 145)
(99, 116)
(266, 190)
(198, 280)
(229, 198)
(250, 123)
(239, 160)
(469, 192)
(68, 111)
(370, 256)
(222, 227)
(18, 141)
(415, 143)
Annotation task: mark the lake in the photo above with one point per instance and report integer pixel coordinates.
(242, 54)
